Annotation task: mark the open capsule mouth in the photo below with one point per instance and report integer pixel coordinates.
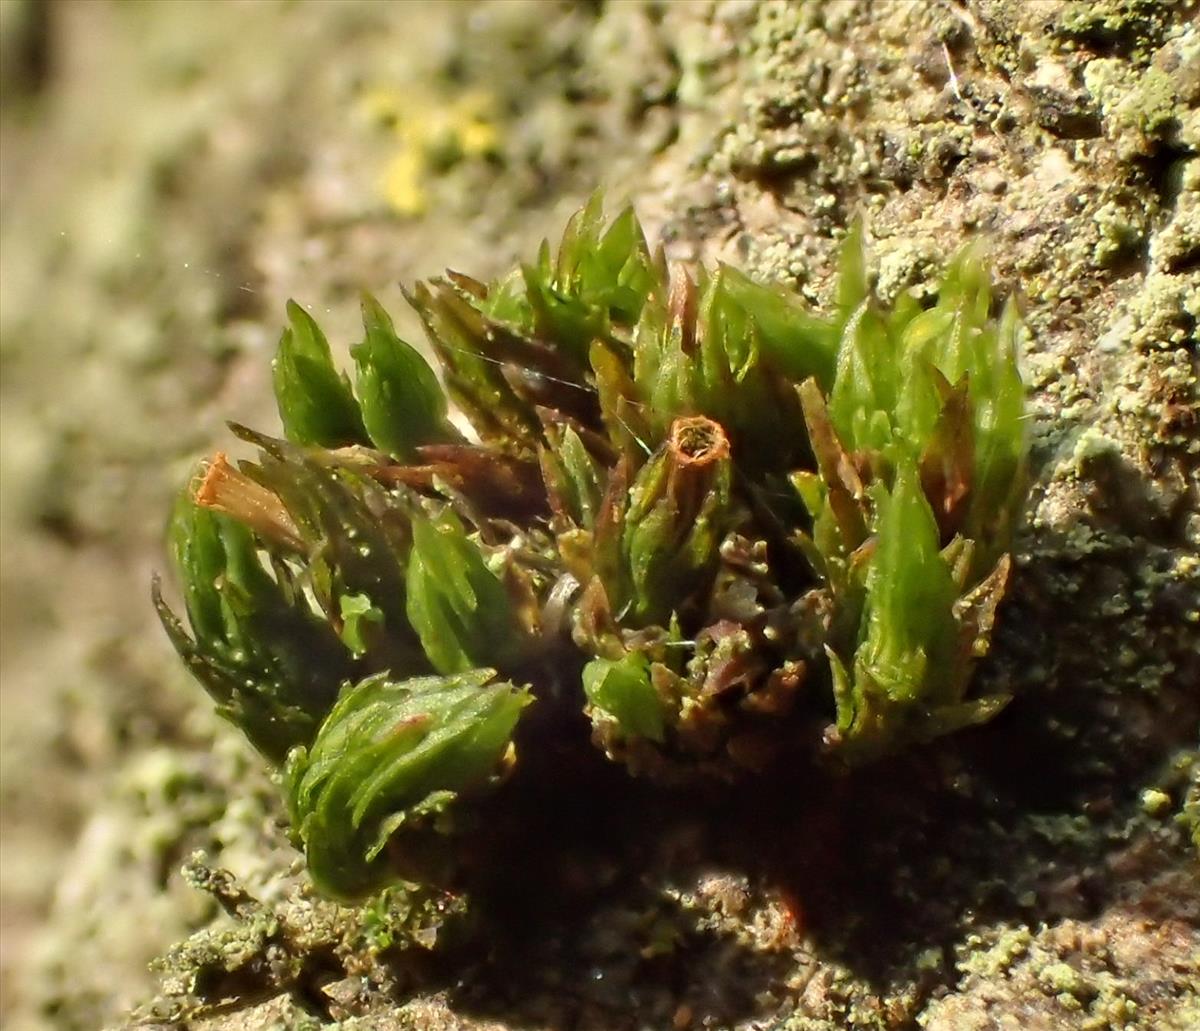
(698, 441)
(231, 492)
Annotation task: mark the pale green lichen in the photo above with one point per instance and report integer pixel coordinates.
(991, 960)
(1155, 802)
(1140, 107)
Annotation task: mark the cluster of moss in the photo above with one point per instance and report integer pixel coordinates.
(729, 531)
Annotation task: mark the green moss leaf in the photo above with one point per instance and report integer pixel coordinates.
(910, 629)
(392, 767)
(270, 663)
(315, 402)
(402, 402)
(623, 690)
(457, 605)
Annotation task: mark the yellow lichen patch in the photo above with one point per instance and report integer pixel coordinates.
(433, 133)
(402, 183)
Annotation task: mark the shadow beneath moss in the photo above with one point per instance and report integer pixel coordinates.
(884, 871)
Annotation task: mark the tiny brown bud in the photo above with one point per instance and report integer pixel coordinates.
(681, 302)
